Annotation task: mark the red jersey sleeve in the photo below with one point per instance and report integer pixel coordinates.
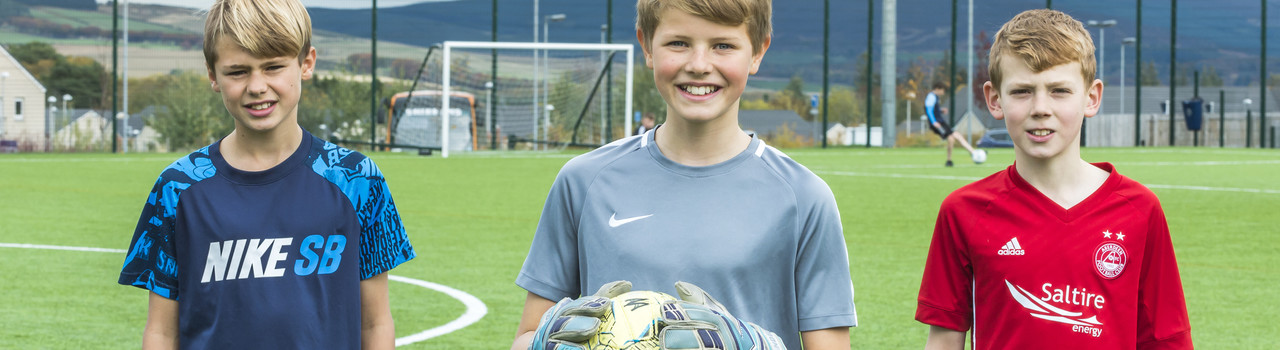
(1162, 309)
(946, 289)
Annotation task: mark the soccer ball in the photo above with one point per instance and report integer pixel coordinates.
(979, 156)
(632, 324)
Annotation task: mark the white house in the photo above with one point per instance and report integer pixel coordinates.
(23, 118)
(84, 131)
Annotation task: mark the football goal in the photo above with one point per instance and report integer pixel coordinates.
(515, 95)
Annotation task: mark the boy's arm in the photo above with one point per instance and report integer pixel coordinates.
(1162, 307)
(534, 307)
(377, 328)
(941, 338)
(823, 339)
(161, 331)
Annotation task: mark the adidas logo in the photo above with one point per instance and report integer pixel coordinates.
(1012, 248)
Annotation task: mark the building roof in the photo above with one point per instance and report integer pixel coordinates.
(23, 70)
(767, 121)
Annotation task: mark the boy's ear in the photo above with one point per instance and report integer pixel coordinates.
(1095, 99)
(992, 95)
(757, 58)
(644, 47)
(213, 83)
(309, 64)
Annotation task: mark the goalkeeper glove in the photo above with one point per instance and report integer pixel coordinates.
(699, 322)
(568, 324)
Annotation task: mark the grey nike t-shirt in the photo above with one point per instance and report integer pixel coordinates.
(759, 232)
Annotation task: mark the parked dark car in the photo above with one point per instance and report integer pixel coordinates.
(996, 138)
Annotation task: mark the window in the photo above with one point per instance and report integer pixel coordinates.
(17, 108)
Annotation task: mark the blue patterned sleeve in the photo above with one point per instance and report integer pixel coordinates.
(150, 262)
(383, 241)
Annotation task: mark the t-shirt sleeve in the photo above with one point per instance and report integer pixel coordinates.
(945, 298)
(383, 241)
(551, 268)
(1162, 308)
(150, 263)
(823, 286)
(930, 101)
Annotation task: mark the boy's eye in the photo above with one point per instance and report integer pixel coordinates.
(678, 43)
(1062, 91)
(723, 47)
(277, 67)
(235, 73)
(1020, 91)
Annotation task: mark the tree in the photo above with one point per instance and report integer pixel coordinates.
(1149, 76)
(189, 114)
(646, 98)
(794, 99)
(32, 52)
(81, 77)
(1210, 77)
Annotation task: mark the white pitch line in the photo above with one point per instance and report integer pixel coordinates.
(476, 309)
(58, 247)
(970, 179)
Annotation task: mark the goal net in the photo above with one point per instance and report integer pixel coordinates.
(544, 96)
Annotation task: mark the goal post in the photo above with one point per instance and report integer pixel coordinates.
(447, 87)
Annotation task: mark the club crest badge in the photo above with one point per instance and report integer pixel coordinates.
(1109, 259)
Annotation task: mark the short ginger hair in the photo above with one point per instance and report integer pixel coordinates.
(1043, 39)
(756, 14)
(264, 28)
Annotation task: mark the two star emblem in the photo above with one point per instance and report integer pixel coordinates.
(1107, 234)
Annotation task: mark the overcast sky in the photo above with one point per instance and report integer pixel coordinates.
(335, 4)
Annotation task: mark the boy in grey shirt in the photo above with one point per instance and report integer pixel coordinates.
(697, 199)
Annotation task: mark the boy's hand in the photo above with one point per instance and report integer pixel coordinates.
(568, 324)
(699, 322)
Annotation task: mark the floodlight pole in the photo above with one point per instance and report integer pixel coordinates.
(115, 78)
(608, 83)
(1262, 86)
(871, 15)
(826, 57)
(951, 89)
(373, 78)
(493, 81)
(537, 70)
(1102, 54)
(1137, 81)
(1173, 66)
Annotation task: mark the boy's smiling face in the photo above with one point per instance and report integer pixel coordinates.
(700, 67)
(260, 93)
(1043, 111)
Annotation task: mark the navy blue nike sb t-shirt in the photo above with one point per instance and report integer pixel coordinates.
(270, 259)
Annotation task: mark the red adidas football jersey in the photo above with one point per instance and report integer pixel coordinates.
(1021, 272)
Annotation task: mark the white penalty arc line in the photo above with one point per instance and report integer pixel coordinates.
(970, 179)
(476, 309)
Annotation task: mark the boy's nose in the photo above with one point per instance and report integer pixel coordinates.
(257, 86)
(1040, 105)
(698, 63)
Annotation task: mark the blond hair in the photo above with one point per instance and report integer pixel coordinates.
(1043, 39)
(264, 28)
(756, 14)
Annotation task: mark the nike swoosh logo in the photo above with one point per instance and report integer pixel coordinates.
(614, 222)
